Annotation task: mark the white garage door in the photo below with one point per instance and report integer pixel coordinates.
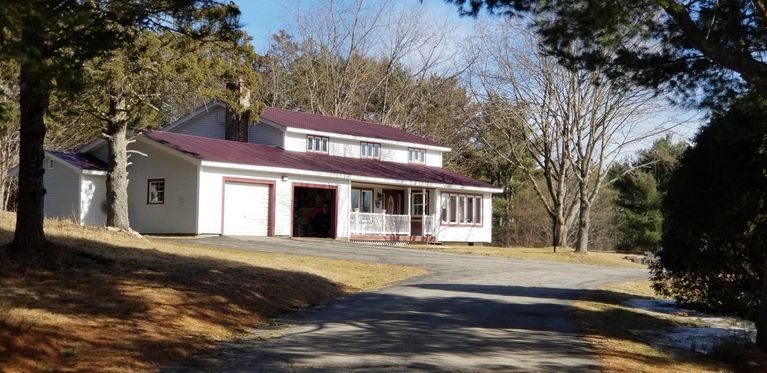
(246, 209)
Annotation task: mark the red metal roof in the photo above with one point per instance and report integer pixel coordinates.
(214, 150)
(317, 122)
(83, 161)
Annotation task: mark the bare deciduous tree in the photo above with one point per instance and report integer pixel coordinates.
(572, 124)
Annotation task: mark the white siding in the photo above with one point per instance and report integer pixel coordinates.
(62, 191)
(211, 187)
(296, 142)
(93, 200)
(208, 124)
(434, 158)
(265, 134)
(481, 233)
(351, 148)
(178, 213)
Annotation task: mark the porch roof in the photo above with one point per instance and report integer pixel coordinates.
(207, 149)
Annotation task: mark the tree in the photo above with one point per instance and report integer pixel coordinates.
(50, 41)
(128, 87)
(640, 192)
(691, 47)
(574, 124)
(9, 134)
(714, 253)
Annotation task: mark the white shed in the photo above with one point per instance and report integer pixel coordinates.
(75, 187)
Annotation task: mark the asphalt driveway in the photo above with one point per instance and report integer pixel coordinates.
(470, 313)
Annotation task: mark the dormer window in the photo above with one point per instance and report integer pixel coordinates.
(416, 155)
(370, 150)
(317, 144)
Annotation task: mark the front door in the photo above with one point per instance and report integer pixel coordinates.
(394, 201)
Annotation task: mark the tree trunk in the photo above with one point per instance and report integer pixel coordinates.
(117, 171)
(761, 322)
(584, 223)
(560, 231)
(29, 237)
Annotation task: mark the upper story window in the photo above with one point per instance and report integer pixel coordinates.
(370, 150)
(416, 155)
(460, 209)
(155, 191)
(317, 144)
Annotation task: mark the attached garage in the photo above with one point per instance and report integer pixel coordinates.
(248, 207)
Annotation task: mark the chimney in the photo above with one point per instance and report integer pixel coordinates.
(237, 123)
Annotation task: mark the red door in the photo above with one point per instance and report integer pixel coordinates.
(394, 201)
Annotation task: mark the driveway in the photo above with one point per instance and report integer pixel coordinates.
(470, 313)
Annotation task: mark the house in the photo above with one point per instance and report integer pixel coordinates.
(298, 175)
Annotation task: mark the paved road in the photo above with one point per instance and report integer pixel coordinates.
(470, 313)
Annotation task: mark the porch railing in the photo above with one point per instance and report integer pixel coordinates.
(370, 223)
(378, 223)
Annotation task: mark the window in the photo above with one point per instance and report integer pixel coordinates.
(362, 200)
(51, 164)
(416, 155)
(370, 150)
(317, 144)
(155, 191)
(461, 209)
(420, 203)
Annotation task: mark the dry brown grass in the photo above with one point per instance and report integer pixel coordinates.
(112, 302)
(563, 255)
(613, 329)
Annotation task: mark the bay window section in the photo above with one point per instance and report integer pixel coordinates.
(461, 209)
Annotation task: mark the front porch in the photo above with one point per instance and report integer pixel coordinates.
(383, 213)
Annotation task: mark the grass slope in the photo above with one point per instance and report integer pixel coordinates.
(107, 301)
(563, 255)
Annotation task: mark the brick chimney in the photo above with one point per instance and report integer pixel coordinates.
(237, 124)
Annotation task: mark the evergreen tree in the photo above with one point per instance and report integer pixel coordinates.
(714, 228)
(51, 41)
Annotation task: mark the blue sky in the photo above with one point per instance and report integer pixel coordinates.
(263, 18)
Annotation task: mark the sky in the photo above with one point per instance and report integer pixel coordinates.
(263, 18)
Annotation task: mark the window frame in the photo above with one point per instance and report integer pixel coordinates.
(148, 191)
(370, 145)
(424, 203)
(322, 144)
(361, 198)
(457, 217)
(419, 153)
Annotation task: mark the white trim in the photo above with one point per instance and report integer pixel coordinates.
(366, 139)
(364, 179)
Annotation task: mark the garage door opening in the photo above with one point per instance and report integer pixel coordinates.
(314, 211)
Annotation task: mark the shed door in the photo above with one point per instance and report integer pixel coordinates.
(246, 209)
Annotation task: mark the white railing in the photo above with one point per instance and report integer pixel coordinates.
(430, 225)
(369, 223)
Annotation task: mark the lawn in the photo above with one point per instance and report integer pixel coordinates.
(108, 301)
(563, 255)
(614, 329)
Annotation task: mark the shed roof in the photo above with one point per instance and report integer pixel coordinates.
(83, 161)
(323, 123)
(215, 150)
